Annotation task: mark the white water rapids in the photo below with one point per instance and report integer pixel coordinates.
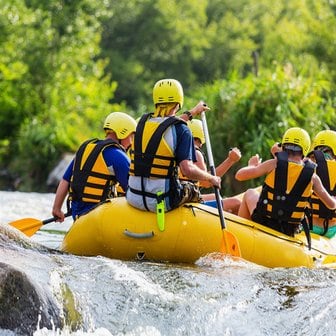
(212, 297)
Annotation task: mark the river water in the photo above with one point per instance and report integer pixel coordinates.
(213, 297)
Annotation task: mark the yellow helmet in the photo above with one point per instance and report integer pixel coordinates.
(168, 91)
(121, 123)
(325, 138)
(297, 139)
(196, 128)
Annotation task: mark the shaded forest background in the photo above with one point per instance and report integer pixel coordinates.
(261, 66)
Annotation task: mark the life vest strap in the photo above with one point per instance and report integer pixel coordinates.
(283, 205)
(143, 158)
(318, 207)
(81, 175)
(159, 197)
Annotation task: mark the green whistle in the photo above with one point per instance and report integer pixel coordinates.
(160, 213)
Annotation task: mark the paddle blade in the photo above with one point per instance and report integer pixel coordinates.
(329, 259)
(230, 244)
(28, 226)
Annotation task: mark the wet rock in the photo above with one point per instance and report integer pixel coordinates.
(9, 235)
(23, 306)
(7, 180)
(57, 173)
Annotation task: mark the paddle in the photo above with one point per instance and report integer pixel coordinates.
(29, 226)
(329, 259)
(230, 242)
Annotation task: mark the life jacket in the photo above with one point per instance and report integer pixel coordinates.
(152, 157)
(91, 180)
(286, 191)
(326, 170)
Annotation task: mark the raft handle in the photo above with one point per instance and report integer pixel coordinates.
(138, 235)
(140, 256)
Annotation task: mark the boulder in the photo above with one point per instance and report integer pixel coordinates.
(57, 173)
(23, 306)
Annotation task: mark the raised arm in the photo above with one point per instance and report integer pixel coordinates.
(255, 168)
(233, 157)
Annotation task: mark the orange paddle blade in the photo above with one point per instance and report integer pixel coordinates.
(230, 244)
(28, 226)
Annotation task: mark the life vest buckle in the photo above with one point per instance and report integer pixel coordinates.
(160, 210)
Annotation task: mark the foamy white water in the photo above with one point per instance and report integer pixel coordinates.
(19, 205)
(212, 297)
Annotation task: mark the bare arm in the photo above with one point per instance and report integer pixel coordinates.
(200, 163)
(193, 172)
(255, 168)
(322, 193)
(197, 109)
(233, 157)
(61, 193)
(276, 148)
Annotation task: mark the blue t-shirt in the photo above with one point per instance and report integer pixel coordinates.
(185, 149)
(120, 163)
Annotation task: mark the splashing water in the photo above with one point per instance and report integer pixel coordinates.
(216, 296)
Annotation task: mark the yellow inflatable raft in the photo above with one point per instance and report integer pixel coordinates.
(116, 230)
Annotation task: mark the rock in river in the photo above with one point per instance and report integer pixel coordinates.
(23, 305)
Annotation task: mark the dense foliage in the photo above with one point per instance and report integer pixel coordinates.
(64, 65)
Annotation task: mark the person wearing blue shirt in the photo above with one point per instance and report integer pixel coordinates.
(162, 143)
(97, 169)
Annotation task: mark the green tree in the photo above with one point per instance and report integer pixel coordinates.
(204, 41)
(253, 113)
(147, 40)
(58, 93)
(65, 64)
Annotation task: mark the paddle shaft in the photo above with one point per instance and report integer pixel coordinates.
(212, 169)
(54, 219)
(29, 226)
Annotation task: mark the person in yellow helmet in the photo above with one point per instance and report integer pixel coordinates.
(230, 204)
(289, 183)
(162, 143)
(98, 167)
(323, 153)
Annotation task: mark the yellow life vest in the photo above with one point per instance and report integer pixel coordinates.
(91, 180)
(151, 155)
(286, 191)
(326, 170)
(153, 158)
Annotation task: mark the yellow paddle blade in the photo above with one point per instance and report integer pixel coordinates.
(230, 244)
(28, 226)
(329, 259)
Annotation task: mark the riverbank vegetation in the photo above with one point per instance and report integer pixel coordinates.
(64, 65)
